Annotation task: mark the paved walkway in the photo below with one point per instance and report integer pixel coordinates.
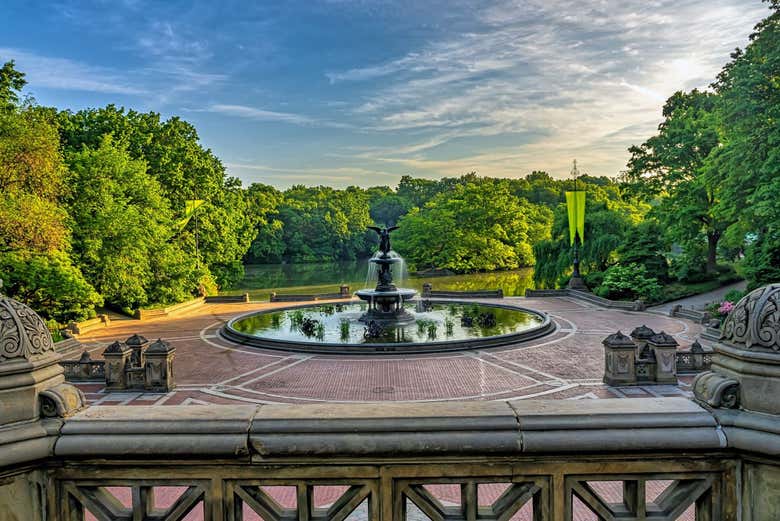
(702, 300)
(567, 364)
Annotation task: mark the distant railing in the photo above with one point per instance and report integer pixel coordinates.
(636, 305)
(702, 317)
(343, 293)
(145, 314)
(428, 292)
(227, 299)
(78, 328)
(84, 369)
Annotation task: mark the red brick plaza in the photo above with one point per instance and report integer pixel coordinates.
(567, 364)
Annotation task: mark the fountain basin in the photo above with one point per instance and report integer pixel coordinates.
(437, 326)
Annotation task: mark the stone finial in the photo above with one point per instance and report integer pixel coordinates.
(642, 333)
(752, 324)
(30, 376)
(23, 334)
(85, 357)
(136, 340)
(746, 359)
(696, 347)
(160, 346)
(116, 347)
(618, 340)
(663, 339)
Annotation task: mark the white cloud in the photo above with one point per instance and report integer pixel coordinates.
(589, 78)
(66, 74)
(243, 111)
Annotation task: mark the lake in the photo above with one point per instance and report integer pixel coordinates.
(262, 279)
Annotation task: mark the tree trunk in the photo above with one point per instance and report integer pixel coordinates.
(712, 251)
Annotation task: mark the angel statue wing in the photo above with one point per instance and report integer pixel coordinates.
(376, 229)
(392, 228)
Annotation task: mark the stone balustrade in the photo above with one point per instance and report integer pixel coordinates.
(226, 460)
(429, 292)
(715, 458)
(647, 357)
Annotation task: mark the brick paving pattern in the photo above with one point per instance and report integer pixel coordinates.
(567, 364)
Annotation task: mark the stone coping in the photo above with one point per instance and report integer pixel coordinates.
(387, 431)
(275, 432)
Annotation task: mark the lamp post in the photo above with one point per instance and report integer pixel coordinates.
(575, 202)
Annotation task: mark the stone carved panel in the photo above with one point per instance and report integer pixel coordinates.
(667, 362)
(622, 362)
(755, 320)
(23, 334)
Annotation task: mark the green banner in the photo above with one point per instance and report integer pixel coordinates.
(575, 203)
(189, 210)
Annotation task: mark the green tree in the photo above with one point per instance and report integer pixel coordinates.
(122, 229)
(268, 244)
(748, 165)
(674, 168)
(388, 209)
(49, 283)
(11, 83)
(185, 170)
(477, 226)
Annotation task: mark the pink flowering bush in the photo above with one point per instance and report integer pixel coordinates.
(725, 307)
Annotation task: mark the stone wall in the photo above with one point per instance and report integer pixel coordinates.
(22, 497)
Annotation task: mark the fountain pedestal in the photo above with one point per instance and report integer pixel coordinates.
(386, 301)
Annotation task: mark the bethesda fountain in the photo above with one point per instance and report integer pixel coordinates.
(387, 319)
(386, 301)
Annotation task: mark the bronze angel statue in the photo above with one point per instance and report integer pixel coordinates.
(384, 237)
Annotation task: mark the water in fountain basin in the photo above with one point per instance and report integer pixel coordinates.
(371, 273)
(400, 273)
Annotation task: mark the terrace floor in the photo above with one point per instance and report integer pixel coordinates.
(567, 364)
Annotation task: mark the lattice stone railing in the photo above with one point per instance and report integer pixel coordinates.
(688, 490)
(646, 459)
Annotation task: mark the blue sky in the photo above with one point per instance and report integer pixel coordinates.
(360, 92)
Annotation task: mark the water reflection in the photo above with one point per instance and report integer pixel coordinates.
(433, 322)
(262, 279)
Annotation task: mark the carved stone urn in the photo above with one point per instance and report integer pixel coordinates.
(32, 384)
(746, 365)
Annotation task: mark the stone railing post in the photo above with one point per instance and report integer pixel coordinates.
(665, 348)
(619, 360)
(139, 345)
(426, 289)
(742, 390)
(34, 398)
(117, 357)
(159, 367)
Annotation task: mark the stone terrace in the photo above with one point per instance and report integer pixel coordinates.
(568, 364)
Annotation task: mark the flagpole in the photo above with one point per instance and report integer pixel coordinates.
(576, 282)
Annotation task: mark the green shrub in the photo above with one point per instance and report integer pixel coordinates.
(734, 296)
(50, 284)
(594, 279)
(629, 282)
